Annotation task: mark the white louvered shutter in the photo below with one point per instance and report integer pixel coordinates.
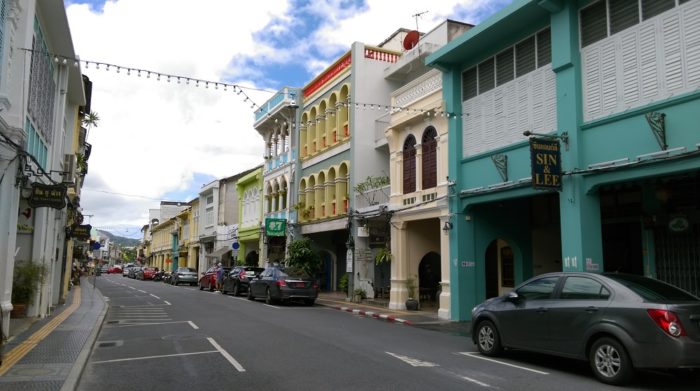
(630, 68)
(691, 40)
(591, 84)
(649, 70)
(673, 66)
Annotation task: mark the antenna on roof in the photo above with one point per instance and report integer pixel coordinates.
(418, 15)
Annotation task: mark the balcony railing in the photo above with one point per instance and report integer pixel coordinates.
(373, 197)
(417, 89)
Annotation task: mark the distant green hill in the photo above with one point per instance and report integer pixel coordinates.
(120, 240)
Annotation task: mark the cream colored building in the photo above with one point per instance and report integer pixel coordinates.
(161, 244)
(417, 139)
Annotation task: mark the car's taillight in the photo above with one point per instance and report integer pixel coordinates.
(242, 276)
(668, 321)
(281, 283)
(315, 285)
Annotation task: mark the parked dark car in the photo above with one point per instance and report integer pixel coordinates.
(617, 322)
(276, 283)
(183, 275)
(133, 270)
(208, 279)
(238, 279)
(146, 273)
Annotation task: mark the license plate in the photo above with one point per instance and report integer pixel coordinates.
(300, 285)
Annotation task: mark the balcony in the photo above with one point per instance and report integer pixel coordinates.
(372, 198)
(417, 89)
(275, 162)
(285, 98)
(409, 60)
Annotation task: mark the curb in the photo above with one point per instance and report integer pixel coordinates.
(76, 371)
(372, 314)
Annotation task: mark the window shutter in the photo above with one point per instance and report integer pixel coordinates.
(504, 64)
(429, 158)
(673, 65)
(486, 76)
(591, 83)
(609, 77)
(649, 79)
(409, 165)
(593, 24)
(544, 48)
(469, 86)
(623, 14)
(630, 68)
(525, 57)
(691, 42)
(651, 8)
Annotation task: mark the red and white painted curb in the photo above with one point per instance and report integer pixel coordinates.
(372, 314)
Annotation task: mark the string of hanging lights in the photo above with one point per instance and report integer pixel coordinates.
(158, 76)
(235, 88)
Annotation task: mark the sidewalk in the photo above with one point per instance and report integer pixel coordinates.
(426, 319)
(50, 353)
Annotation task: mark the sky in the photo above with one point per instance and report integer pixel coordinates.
(158, 140)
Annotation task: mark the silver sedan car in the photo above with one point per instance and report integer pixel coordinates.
(184, 275)
(617, 322)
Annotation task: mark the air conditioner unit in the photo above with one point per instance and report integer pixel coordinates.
(69, 163)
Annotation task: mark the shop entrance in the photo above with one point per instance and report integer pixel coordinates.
(429, 278)
(500, 268)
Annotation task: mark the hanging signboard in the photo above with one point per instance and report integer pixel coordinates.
(52, 196)
(545, 161)
(81, 232)
(275, 227)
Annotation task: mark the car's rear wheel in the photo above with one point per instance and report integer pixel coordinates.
(250, 294)
(235, 289)
(487, 339)
(610, 362)
(268, 297)
(201, 286)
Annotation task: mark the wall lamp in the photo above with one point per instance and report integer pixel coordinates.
(564, 137)
(447, 226)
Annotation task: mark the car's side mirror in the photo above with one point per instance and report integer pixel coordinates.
(513, 296)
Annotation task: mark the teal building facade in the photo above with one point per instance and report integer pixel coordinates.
(614, 88)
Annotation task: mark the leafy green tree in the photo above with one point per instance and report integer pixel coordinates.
(301, 256)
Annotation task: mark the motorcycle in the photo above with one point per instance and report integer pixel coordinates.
(158, 276)
(166, 277)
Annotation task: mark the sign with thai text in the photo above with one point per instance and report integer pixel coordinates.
(545, 160)
(52, 196)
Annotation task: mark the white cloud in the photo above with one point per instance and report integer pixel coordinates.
(154, 135)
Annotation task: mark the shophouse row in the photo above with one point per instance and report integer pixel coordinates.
(552, 136)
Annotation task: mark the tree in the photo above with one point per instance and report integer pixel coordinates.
(301, 256)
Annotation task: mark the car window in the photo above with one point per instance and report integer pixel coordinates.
(583, 288)
(651, 289)
(539, 289)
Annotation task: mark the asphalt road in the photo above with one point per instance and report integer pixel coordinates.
(160, 337)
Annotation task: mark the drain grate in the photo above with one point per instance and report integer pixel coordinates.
(112, 321)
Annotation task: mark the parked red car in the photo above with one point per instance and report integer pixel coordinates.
(146, 273)
(208, 279)
(114, 269)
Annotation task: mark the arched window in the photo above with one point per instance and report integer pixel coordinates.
(429, 159)
(409, 165)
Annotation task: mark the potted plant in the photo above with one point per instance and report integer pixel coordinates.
(359, 294)
(25, 282)
(383, 255)
(343, 283)
(411, 302)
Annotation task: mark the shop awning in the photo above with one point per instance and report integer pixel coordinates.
(219, 252)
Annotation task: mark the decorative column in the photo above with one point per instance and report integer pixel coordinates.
(419, 167)
(399, 266)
